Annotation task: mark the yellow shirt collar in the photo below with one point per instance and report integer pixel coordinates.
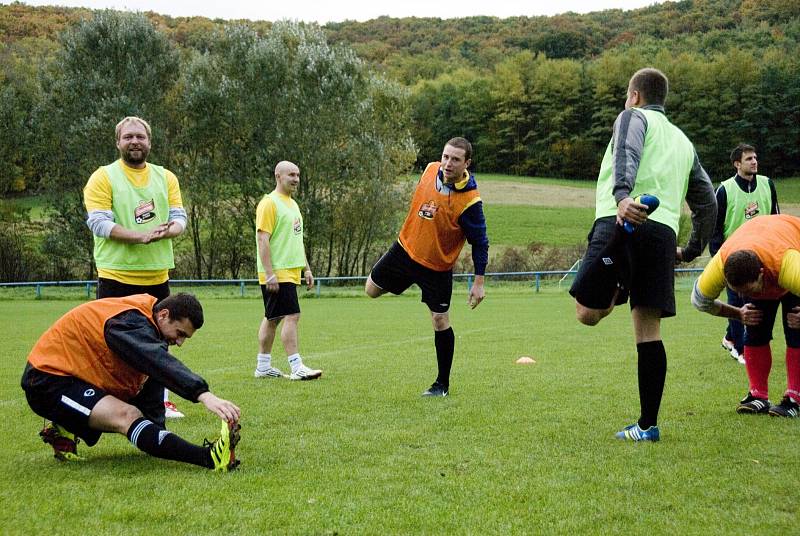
(282, 196)
(459, 185)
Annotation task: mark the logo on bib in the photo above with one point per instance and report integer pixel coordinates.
(751, 210)
(297, 226)
(145, 212)
(427, 210)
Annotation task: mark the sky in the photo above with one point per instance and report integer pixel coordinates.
(339, 10)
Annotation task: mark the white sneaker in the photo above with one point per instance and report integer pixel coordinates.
(728, 345)
(305, 373)
(271, 372)
(171, 411)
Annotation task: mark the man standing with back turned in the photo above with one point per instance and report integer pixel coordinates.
(647, 155)
(134, 210)
(446, 211)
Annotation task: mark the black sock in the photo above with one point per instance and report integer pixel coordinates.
(445, 342)
(156, 441)
(652, 372)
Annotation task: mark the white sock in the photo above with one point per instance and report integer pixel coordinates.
(166, 396)
(264, 362)
(295, 361)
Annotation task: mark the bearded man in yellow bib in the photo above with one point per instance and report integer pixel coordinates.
(134, 210)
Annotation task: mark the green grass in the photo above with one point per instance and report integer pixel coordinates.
(513, 450)
(519, 225)
(788, 190)
(545, 181)
(500, 177)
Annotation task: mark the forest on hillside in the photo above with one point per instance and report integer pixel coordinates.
(359, 103)
(536, 95)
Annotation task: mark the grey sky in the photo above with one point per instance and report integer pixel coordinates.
(332, 10)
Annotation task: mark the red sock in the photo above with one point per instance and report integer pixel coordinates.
(793, 373)
(758, 362)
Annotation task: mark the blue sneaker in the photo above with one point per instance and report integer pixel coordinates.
(634, 433)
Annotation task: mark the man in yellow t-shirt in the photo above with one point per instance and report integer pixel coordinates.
(134, 210)
(281, 258)
(760, 261)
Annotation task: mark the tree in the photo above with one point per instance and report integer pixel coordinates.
(109, 67)
(20, 93)
(288, 95)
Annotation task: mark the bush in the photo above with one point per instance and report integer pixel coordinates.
(535, 257)
(20, 260)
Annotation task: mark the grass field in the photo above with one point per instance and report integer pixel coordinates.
(519, 225)
(513, 450)
(788, 190)
(544, 181)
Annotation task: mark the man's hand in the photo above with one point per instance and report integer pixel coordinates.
(309, 279)
(476, 293)
(749, 315)
(156, 233)
(679, 254)
(631, 211)
(272, 282)
(227, 411)
(173, 229)
(793, 318)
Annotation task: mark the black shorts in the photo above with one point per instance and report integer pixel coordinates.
(761, 334)
(65, 400)
(110, 288)
(396, 271)
(641, 263)
(281, 303)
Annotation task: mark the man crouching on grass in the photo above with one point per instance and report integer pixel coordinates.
(86, 372)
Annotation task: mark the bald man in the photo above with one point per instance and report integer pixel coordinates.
(281, 260)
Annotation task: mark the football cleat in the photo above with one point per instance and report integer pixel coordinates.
(271, 372)
(437, 389)
(787, 408)
(752, 405)
(222, 450)
(171, 411)
(304, 373)
(634, 432)
(64, 443)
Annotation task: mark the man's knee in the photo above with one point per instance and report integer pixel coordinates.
(590, 317)
(129, 414)
(441, 321)
(371, 289)
(113, 415)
